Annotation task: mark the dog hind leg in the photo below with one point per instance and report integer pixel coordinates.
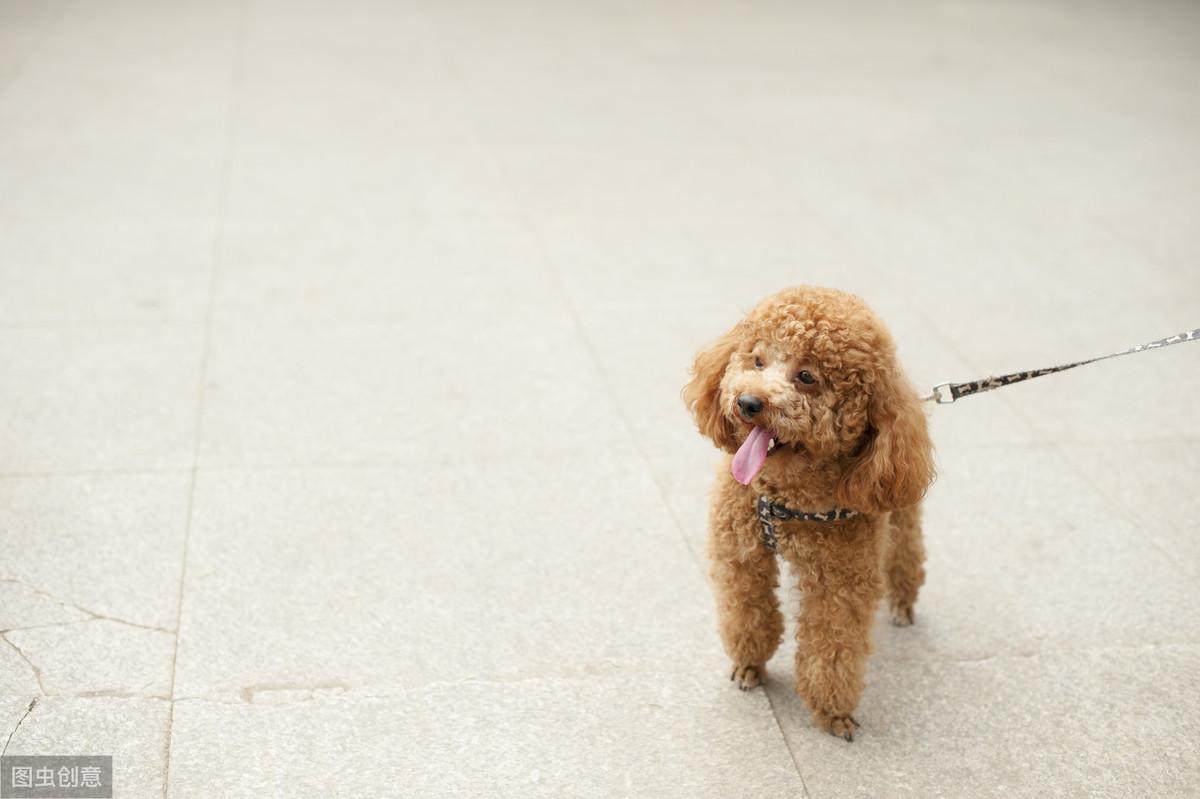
(905, 566)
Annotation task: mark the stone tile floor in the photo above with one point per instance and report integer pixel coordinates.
(341, 451)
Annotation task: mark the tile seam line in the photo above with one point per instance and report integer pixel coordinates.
(551, 271)
(45, 36)
(236, 85)
(400, 463)
(602, 372)
(526, 222)
(362, 692)
(879, 277)
(1118, 509)
(1059, 448)
(786, 743)
(556, 285)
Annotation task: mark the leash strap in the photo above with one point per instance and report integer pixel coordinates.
(945, 393)
(770, 512)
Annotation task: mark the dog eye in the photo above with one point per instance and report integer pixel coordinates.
(806, 377)
(758, 364)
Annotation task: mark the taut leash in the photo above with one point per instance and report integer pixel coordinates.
(945, 393)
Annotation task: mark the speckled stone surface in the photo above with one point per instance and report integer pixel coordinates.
(341, 448)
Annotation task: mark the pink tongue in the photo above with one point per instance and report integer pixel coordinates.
(751, 455)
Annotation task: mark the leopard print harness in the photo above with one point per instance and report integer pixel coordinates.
(770, 512)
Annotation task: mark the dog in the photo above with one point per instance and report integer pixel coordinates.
(828, 459)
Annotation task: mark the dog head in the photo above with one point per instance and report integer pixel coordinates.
(815, 370)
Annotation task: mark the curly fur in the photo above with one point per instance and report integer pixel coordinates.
(855, 438)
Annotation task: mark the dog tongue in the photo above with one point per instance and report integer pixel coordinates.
(751, 455)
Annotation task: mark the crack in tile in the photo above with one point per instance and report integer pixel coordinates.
(99, 693)
(28, 710)
(37, 672)
(93, 615)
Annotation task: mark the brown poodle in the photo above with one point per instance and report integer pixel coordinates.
(829, 457)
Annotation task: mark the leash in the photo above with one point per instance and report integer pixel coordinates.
(946, 393)
(769, 512)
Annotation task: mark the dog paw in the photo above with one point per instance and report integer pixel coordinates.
(902, 615)
(747, 677)
(843, 727)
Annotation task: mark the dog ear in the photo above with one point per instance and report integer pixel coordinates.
(895, 466)
(703, 394)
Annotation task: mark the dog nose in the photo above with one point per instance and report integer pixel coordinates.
(750, 405)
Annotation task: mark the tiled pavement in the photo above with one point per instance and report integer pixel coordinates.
(341, 451)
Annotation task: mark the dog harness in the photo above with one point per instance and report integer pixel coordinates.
(770, 512)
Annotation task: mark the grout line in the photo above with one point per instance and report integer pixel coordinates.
(236, 81)
(45, 35)
(1119, 510)
(556, 284)
(524, 219)
(1039, 653)
(130, 472)
(607, 380)
(1058, 447)
(58, 325)
(453, 459)
(786, 744)
(597, 362)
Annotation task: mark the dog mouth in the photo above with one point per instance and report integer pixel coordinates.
(751, 456)
(760, 444)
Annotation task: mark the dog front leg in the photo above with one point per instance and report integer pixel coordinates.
(841, 580)
(745, 575)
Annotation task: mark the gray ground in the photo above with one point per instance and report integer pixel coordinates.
(340, 349)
